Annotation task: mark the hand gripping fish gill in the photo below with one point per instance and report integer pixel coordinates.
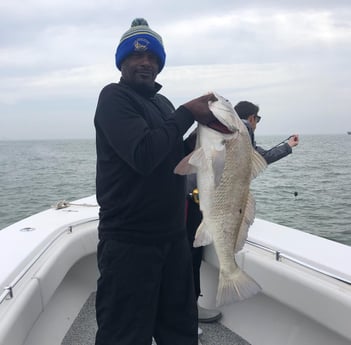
(225, 163)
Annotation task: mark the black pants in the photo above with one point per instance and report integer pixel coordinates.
(194, 218)
(145, 291)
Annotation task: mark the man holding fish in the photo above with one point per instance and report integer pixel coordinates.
(145, 289)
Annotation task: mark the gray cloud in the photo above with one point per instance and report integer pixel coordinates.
(291, 58)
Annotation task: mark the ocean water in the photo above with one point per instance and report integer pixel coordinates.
(309, 190)
(34, 175)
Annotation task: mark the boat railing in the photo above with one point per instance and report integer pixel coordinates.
(280, 255)
(8, 291)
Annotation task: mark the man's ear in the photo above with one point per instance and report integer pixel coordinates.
(251, 119)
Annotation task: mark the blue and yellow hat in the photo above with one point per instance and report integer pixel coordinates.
(140, 38)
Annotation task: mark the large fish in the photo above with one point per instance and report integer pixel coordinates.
(225, 163)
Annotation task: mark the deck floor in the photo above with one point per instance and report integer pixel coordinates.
(82, 331)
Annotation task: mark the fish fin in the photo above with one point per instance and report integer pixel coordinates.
(248, 219)
(235, 287)
(186, 166)
(198, 158)
(258, 164)
(202, 237)
(218, 162)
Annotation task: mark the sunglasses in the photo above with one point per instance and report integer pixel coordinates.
(258, 118)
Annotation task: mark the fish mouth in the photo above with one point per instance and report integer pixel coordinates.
(219, 127)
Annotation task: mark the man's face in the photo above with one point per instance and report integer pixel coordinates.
(254, 120)
(140, 69)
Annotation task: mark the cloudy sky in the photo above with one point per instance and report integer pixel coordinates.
(292, 58)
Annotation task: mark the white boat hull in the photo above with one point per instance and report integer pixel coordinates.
(47, 275)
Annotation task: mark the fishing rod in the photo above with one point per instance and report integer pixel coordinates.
(295, 193)
(283, 142)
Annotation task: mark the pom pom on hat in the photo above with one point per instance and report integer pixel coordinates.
(140, 38)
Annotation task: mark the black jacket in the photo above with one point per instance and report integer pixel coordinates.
(139, 141)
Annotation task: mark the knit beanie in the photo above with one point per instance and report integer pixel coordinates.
(140, 38)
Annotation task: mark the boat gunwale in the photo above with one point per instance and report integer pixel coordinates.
(8, 292)
(281, 255)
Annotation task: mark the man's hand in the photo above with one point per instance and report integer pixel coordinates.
(200, 110)
(294, 140)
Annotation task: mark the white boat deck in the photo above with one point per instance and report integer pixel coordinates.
(82, 331)
(48, 278)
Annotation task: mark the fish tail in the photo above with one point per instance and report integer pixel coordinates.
(235, 287)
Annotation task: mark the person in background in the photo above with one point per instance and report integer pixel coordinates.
(248, 112)
(145, 289)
